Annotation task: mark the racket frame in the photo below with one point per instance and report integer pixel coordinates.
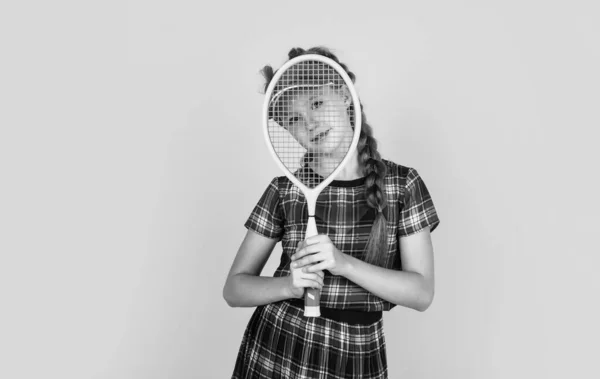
(311, 194)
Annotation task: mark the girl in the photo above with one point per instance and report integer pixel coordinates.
(373, 252)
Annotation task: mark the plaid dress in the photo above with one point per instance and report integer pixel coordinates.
(279, 342)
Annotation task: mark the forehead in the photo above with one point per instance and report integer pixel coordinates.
(297, 97)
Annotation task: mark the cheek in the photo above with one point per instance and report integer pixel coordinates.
(344, 130)
(300, 137)
(295, 132)
(341, 118)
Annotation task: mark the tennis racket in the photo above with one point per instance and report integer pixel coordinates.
(311, 122)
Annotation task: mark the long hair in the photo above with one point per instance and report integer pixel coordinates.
(370, 159)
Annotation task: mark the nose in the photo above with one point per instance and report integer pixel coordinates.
(311, 122)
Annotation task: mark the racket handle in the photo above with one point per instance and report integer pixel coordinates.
(312, 296)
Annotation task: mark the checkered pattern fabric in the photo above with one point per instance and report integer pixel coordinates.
(280, 342)
(343, 214)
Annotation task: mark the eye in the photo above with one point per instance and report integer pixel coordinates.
(293, 120)
(316, 104)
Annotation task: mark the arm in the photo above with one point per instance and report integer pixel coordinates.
(413, 287)
(245, 288)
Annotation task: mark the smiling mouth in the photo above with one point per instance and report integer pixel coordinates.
(320, 136)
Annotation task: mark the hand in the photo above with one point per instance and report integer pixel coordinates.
(299, 279)
(318, 253)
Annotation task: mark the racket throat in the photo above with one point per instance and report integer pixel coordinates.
(311, 229)
(311, 202)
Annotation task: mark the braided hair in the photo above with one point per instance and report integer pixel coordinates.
(370, 159)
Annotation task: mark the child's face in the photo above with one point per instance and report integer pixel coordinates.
(318, 119)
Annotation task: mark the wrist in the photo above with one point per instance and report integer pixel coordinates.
(348, 265)
(286, 292)
(286, 288)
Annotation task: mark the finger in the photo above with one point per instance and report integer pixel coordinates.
(305, 267)
(306, 251)
(320, 238)
(311, 284)
(309, 241)
(314, 277)
(306, 270)
(317, 267)
(314, 239)
(307, 260)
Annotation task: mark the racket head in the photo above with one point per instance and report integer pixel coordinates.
(311, 113)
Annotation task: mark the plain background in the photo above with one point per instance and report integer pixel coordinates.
(131, 154)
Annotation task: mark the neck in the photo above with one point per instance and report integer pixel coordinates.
(352, 170)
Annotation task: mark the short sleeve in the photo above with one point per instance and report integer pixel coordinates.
(266, 217)
(418, 210)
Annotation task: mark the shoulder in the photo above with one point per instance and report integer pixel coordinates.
(402, 179)
(397, 172)
(282, 182)
(281, 185)
(278, 181)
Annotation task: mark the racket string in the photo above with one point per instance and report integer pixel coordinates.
(308, 115)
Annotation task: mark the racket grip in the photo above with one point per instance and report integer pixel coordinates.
(312, 296)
